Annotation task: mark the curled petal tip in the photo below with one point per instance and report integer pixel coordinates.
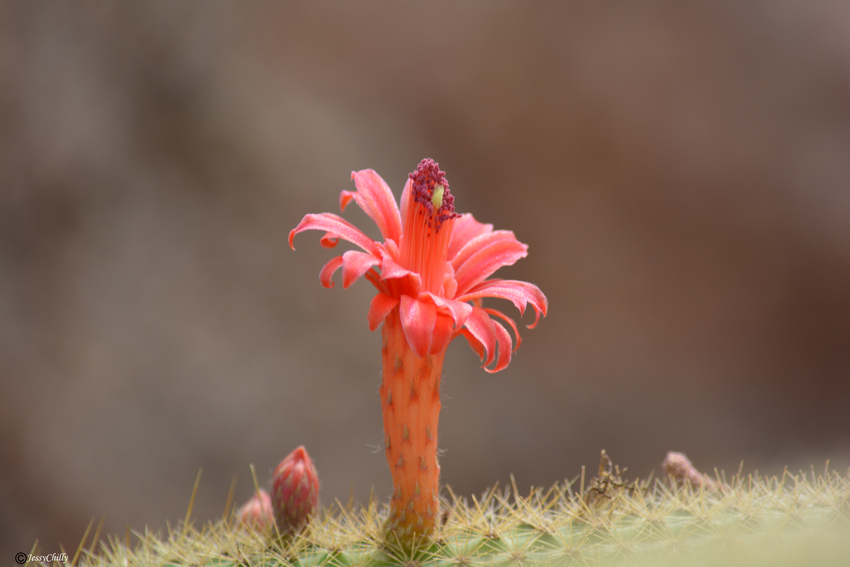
(503, 339)
(509, 321)
(541, 307)
(345, 197)
(335, 227)
(481, 327)
(329, 240)
(328, 271)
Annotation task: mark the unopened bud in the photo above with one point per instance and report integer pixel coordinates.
(257, 511)
(295, 491)
(680, 470)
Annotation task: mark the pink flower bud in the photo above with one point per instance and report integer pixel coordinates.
(295, 491)
(257, 511)
(680, 470)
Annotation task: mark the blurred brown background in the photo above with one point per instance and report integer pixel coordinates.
(680, 171)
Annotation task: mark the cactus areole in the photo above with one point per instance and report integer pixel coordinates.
(431, 271)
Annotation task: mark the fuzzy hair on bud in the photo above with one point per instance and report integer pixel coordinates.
(295, 492)
(257, 511)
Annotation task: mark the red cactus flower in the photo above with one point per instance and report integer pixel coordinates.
(431, 272)
(295, 491)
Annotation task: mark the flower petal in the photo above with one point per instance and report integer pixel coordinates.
(457, 310)
(504, 340)
(481, 327)
(449, 281)
(418, 319)
(344, 198)
(380, 307)
(509, 321)
(328, 271)
(476, 345)
(491, 252)
(335, 226)
(355, 264)
(329, 240)
(376, 199)
(479, 242)
(489, 333)
(391, 270)
(443, 333)
(404, 199)
(517, 292)
(465, 229)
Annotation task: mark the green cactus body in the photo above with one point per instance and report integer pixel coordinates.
(792, 521)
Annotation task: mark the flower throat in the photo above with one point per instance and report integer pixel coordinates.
(428, 224)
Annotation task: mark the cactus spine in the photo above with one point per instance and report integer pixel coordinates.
(792, 521)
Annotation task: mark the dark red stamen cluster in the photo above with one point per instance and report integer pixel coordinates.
(426, 177)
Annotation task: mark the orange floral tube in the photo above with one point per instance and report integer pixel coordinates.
(410, 401)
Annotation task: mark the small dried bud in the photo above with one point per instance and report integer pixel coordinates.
(680, 470)
(295, 491)
(257, 511)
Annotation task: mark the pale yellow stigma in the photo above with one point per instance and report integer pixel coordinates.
(437, 197)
